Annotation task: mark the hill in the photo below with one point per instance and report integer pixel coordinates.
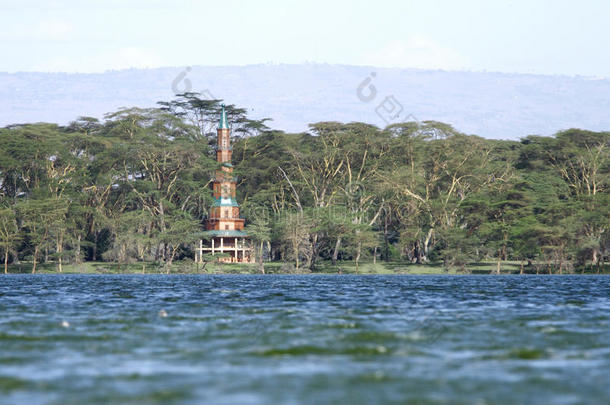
(493, 105)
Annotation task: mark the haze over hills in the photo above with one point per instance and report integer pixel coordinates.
(492, 105)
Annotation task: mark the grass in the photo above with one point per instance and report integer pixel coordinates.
(322, 267)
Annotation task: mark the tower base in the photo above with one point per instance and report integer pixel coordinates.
(228, 249)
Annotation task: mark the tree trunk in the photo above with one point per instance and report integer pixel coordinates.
(59, 252)
(418, 252)
(295, 250)
(375, 255)
(77, 252)
(358, 252)
(158, 252)
(94, 253)
(336, 251)
(521, 268)
(599, 259)
(261, 263)
(313, 252)
(6, 261)
(386, 240)
(35, 256)
(171, 254)
(427, 244)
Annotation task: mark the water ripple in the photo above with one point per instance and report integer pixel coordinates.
(304, 339)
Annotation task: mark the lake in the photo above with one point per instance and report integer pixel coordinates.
(223, 339)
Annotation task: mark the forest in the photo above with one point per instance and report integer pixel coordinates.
(135, 188)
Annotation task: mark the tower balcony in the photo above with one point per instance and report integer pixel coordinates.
(238, 218)
(216, 179)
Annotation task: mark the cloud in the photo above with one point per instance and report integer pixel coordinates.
(416, 52)
(54, 30)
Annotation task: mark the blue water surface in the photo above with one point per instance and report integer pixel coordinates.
(239, 339)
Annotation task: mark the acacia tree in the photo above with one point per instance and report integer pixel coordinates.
(296, 229)
(576, 164)
(38, 217)
(259, 233)
(181, 230)
(203, 114)
(316, 171)
(494, 215)
(365, 155)
(336, 167)
(442, 171)
(9, 233)
(582, 158)
(160, 174)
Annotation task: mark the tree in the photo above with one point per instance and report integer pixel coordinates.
(259, 233)
(361, 239)
(181, 230)
(434, 171)
(39, 216)
(134, 186)
(458, 248)
(9, 234)
(296, 229)
(203, 114)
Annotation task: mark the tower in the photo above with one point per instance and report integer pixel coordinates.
(224, 225)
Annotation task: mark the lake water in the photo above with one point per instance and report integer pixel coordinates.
(87, 339)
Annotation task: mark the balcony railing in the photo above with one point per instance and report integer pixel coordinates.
(231, 179)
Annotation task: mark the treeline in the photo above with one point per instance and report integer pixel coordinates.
(135, 187)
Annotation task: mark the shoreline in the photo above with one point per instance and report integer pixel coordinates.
(280, 268)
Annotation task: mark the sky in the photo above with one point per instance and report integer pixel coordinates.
(529, 36)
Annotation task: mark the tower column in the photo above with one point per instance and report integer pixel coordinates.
(243, 250)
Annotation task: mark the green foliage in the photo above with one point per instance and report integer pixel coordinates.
(135, 187)
(9, 233)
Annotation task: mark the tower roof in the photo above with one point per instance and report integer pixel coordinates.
(222, 124)
(225, 202)
(227, 233)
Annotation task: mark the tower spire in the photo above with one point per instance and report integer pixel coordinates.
(222, 124)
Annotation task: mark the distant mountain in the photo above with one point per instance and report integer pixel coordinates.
(493, 105)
